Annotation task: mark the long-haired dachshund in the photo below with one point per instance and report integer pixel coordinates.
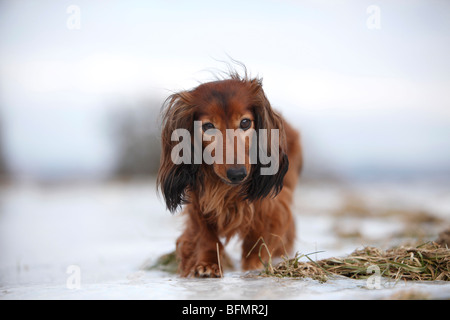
(223, 198)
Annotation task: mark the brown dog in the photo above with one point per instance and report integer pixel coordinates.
(223, 199)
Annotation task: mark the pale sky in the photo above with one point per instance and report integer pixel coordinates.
(363, 98)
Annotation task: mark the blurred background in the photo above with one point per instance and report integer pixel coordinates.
(82, 83)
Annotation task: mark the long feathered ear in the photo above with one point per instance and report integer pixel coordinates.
(175, 179)
(264, 181)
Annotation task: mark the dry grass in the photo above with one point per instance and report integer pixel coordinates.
(425, 263)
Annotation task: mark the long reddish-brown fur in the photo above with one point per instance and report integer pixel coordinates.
(258, 207)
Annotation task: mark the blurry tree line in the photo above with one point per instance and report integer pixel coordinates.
(135, 131)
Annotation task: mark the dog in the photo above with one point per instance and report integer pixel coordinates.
(227, 198)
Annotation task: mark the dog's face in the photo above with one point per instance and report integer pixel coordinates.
(224, 121)
(227, 118)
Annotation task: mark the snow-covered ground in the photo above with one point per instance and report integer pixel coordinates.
(92, 241)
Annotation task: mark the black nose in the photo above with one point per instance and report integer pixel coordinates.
(236, 175)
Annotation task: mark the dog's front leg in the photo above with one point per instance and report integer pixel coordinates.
(199, 250)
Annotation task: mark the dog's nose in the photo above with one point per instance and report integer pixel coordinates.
(236, 174)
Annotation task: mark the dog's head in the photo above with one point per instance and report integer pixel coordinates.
(229, 128)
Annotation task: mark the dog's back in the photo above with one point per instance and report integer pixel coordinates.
(295, 156)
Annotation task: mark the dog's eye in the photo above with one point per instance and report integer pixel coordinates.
(245, 124)
(207, 126)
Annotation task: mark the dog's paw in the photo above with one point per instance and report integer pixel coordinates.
(207, 270)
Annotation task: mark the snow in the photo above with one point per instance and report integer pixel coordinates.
(109, 231)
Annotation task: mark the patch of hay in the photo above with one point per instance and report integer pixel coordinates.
(428, 262)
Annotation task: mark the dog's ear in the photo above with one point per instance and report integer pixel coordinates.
(263, 180)
(175, 178)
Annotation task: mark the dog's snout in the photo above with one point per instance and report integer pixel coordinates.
(236, 174)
